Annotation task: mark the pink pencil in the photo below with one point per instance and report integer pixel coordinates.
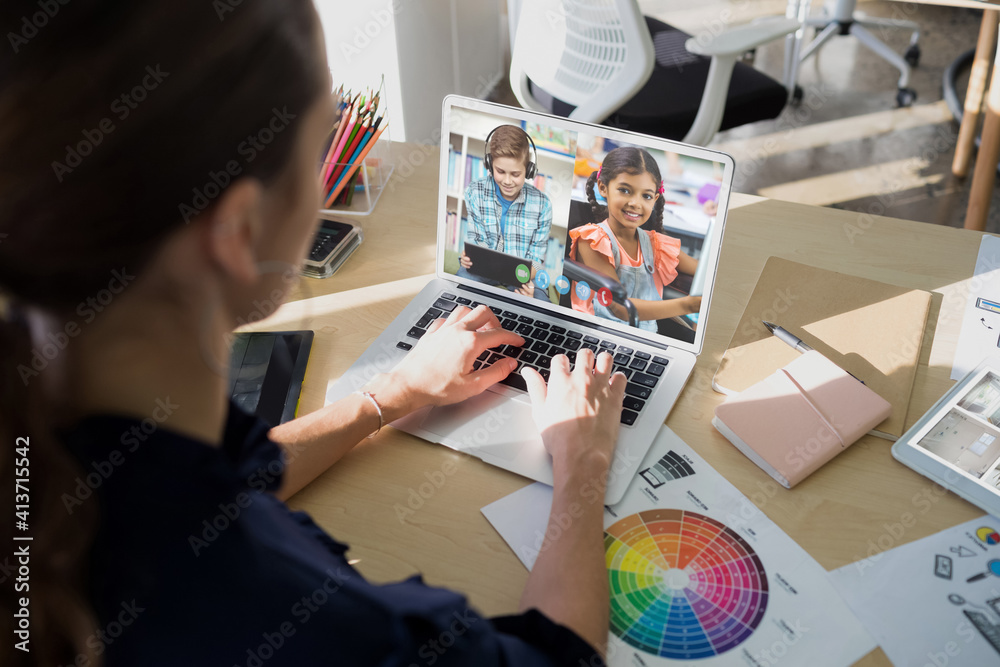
(347, 121)
(357, 163)
(342, 123)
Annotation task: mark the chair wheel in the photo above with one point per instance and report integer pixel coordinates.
(905, 97)
(797, 95)
(912, 55)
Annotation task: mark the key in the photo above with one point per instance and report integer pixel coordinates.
(446, 306)
(633, 389)
(643, 379)
(633, 403)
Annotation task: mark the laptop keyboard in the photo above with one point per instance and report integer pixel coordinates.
(542, 341)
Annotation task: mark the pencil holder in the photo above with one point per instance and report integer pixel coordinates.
(354, 188)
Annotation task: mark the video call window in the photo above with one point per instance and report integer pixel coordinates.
(609, 229)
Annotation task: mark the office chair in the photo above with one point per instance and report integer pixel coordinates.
(840, 18)
(602, 61)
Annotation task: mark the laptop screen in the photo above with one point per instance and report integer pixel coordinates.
(607, 226)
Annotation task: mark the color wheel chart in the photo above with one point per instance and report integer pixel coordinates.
(683, 585)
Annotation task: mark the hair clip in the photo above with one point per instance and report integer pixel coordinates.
(661, 188)
(598, 173)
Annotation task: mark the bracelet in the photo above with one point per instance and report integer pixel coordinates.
(378, 409)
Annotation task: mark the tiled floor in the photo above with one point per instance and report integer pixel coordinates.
(847, 145)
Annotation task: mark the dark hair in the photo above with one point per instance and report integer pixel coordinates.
(630, 160)
(118, 122)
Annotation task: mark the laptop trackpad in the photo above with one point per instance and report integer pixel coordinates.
(491, 425)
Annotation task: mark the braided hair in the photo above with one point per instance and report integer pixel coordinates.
(630, 160)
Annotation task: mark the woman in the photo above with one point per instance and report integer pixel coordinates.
(156, 158)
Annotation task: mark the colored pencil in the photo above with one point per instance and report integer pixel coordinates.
(354, 167)
(327, 163)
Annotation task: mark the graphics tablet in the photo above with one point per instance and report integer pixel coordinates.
(957, 443)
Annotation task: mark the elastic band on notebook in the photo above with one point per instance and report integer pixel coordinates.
(812, 405)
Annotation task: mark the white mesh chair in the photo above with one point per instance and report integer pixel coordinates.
(602, 61)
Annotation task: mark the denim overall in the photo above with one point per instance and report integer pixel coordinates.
(637, 280)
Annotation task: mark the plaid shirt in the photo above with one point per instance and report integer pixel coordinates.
(528, 220)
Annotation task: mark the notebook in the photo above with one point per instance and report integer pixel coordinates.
(657, 356)
(871, 329)
(799, 417)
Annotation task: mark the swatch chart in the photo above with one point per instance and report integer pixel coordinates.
(697, 574)
(683, 585)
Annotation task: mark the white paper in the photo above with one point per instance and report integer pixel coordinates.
(718, 557)
(917, 600)
(980, 334)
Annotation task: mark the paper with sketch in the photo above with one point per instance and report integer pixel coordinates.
(935, 601)
(980, 336)
(698, 573)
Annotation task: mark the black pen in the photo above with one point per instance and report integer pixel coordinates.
(787, 337)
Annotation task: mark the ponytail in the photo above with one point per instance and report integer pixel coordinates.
(655, 222)
(600, 212)
(60, 616)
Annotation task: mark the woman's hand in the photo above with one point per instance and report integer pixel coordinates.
(438, 370)
(579, 411)
(465, 261)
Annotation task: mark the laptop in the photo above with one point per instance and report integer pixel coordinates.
(497, 425)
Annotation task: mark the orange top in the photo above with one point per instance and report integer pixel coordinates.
(667, 251)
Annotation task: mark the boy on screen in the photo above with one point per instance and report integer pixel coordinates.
(506, 213)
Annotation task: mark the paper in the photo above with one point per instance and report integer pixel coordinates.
(935, 601)
(980, 334)
(698, 573)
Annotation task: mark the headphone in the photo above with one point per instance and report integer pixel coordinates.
(529, 172)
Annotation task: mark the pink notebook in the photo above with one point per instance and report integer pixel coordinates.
(800, 417)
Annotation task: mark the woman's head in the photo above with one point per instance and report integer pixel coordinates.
(123, 127)
(120, 122)
(629, 180)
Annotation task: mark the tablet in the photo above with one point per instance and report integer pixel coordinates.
(957, 443)
(498, 266)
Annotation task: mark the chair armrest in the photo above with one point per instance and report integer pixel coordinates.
(724, 49)
(740, 39)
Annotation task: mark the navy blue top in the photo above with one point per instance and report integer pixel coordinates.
(196, 563)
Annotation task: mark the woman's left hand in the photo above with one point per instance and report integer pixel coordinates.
(439, 368)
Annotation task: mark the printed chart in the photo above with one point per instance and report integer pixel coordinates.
(683, 586)
(671, 466)
(697, 574)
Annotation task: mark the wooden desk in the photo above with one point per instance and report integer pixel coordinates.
(839, 515)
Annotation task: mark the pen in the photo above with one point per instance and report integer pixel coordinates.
(787, 337)
(795, 342)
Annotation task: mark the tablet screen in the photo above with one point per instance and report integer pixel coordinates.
(963, 431)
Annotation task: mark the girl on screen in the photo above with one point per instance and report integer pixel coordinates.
(628, 244)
